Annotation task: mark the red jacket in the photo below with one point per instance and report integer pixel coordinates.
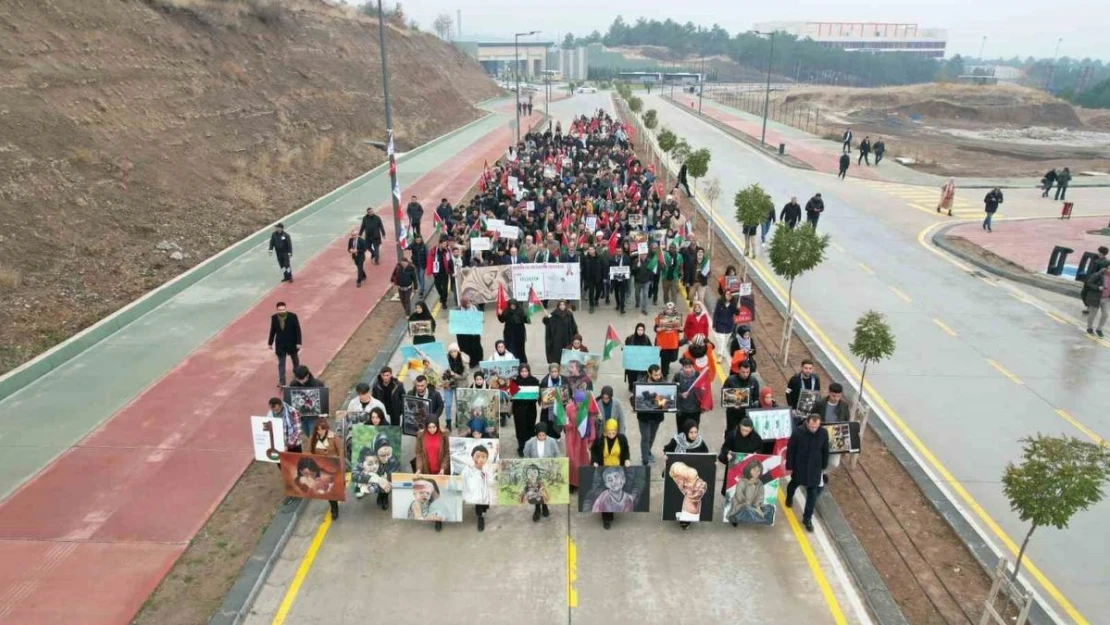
(696, 324)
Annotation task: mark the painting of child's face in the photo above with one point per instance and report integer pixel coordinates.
(480, 458)
(614, 481)
(421, 492)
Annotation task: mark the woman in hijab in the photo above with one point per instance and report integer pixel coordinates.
(697, 322)
(552, 380)
(456, 369)
(471, 344)
(688, 441)
(611, 450)
(947, 196)
(324, 442)
(515, 334)
(666, 339)
(742, 341)
(524, 410)
(638, 337)
(420, 313)
(743, 440)
(561, 328)
(576, 344)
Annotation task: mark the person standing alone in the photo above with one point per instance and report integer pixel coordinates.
(356, 247)
(990, 205)
(415, 212)
(880, 149)
(285, 339)
(281, 245)
(845, 162)
(814, 207)
(1062, 180)
(807, 457)
(847, 141)
(372, 231)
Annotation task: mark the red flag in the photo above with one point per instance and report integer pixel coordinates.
(704, 382)
(614, 241)
(429, 266)
(502, 301)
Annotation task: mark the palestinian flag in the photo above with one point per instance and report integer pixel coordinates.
(523, 393)
(502, 301)
(688, 228)
(534, 303)
(704, 269)
(612, 342)
(437, 221)
(653, 262)
(475, 229)
(588, 406)
(406, 237)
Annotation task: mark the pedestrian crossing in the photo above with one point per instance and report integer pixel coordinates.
(925, 199)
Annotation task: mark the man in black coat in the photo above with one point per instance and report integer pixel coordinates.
(833, 408)
(372, 231)
(807, 457)
(389, 391)
(806, 380)
(285, 339)
(845, 161)
(864, 151)
(415, 212)
(880, 149)
(356, 247)
(791, 213)
(814, 207)
(281, 245)
(594, 273)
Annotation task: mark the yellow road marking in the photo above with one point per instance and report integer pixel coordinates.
(945, 475)
(572, 573)
(1005, 372)
(1019, 297)
(302, 572)
(837, 247)
(1079, 426)
(1056, 317)
(944, 327)
(900, 294)
(866, 268)
(814, 565)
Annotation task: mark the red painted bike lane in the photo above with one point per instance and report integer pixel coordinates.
(86, 540)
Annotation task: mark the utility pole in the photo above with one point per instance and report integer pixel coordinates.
(701, 81)
(767, 95)
(390, 150)
(982, 45)
(516, 71)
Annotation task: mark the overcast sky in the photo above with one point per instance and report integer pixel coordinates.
(1013, 27)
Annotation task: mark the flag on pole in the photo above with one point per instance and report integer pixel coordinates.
(704, 269)
(704, 383)
(534, 303)
(586, 407)
(437, 221)
(688, 228)
(612, 342)
(654, 261)
(502, 301)
(560, 411)
(614, 241)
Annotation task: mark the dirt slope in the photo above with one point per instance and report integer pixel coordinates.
(130, 125)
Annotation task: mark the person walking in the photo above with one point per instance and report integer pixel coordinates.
(672, 272)
(442, 269)
(418, 251)
(594, 274)
(947, 196)
(1047, 181)
(814, 207)
(846, 141)
(880, 149)
(610, 450)
(415, 212)
(791, 213)
(372, 231)
(619, 283)
(765, 227)
(356, 247)
(864, 151)
(390, 392)
(649, 420)
(560, 329)
(1096, 265)
(1097, 299)
(324, 442)
(807, 457)
(281, 245)
(667, 339)
(638, 338)
(990, 205)
(524, 410)
(515, 333)
(688, 405)
(643, 275)
(804, 380)
(285, 338)
(404, 278)
(845, 162)
(471, 344)
(540, 446)
(1062, 180)
(743, 439)
(682, 182)
(724, 323)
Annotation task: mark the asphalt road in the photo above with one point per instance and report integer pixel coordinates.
(979, 364)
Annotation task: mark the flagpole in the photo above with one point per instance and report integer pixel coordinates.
(390, 148)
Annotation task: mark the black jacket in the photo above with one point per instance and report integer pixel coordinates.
(815, 206)
(807, 455)
(281, 242)
(390, 396)
(845, 161)
(372, 228)
(842, 415)
(596, 450)
(415, 211)
(671, 447)
(750, 444)
(404, 277)
(356, 246)
(435, 400)
(285, 340)
(992, 200)
(734, 381)
(794, 388)
(594, 270)
(560, 331)
(791, 213)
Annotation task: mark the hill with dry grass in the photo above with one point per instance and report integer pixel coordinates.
(138, 138)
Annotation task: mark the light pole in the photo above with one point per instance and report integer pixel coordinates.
(701, 81)
(767, 96)
(516, 71)
(982, 45)
(1052, 68)
(395, 190)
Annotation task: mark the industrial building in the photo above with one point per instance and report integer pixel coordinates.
(572, 63)
(876, 37)
(497, 56)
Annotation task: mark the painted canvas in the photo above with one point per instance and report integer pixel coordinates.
(427, 497)
(575, 363)
(807, 400)
(477, 409)
(752, 489)
(547, 395)
(655, 397)
(503, 369)
(670, 322)
(771, 423)
(415, 355)
(268, 434)
(312, 476)
(477, 462)
(375, 456)
(414, 415)
(479, 284)
(688, 487)
(421, 328)
(736, 397)
(844, 438)
(529, 481)
(635, 219)
(310, 402)
(614, 489)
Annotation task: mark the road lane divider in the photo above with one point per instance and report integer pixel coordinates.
(901, 294)
(944, 326)
(811, 559)
(1088, 432)
(865, 268)
(1004, 371)
(302, 571)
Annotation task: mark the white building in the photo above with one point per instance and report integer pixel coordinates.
(867, 36)
(572, 63)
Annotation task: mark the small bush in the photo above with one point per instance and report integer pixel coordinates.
(269, 12)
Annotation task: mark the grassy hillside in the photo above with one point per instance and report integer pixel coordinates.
(128, 125)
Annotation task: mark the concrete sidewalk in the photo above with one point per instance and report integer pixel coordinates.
(823, 155)
(1029, 242)
(156, 396)
(643, 570)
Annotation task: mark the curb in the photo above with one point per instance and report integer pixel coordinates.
(30, 371)
(799, 164)
(1063, 287)
(240, 597)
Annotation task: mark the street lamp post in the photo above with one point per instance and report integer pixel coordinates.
(767, 96)
(701, 80)
(982, 45)
(395, 189)
(516, 72)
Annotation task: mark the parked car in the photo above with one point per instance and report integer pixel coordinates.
(586, 89)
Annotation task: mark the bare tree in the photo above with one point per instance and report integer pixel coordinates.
(444, 26)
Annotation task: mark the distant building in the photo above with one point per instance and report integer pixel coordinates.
(877, 37)
(496, 55)
(572, 63)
